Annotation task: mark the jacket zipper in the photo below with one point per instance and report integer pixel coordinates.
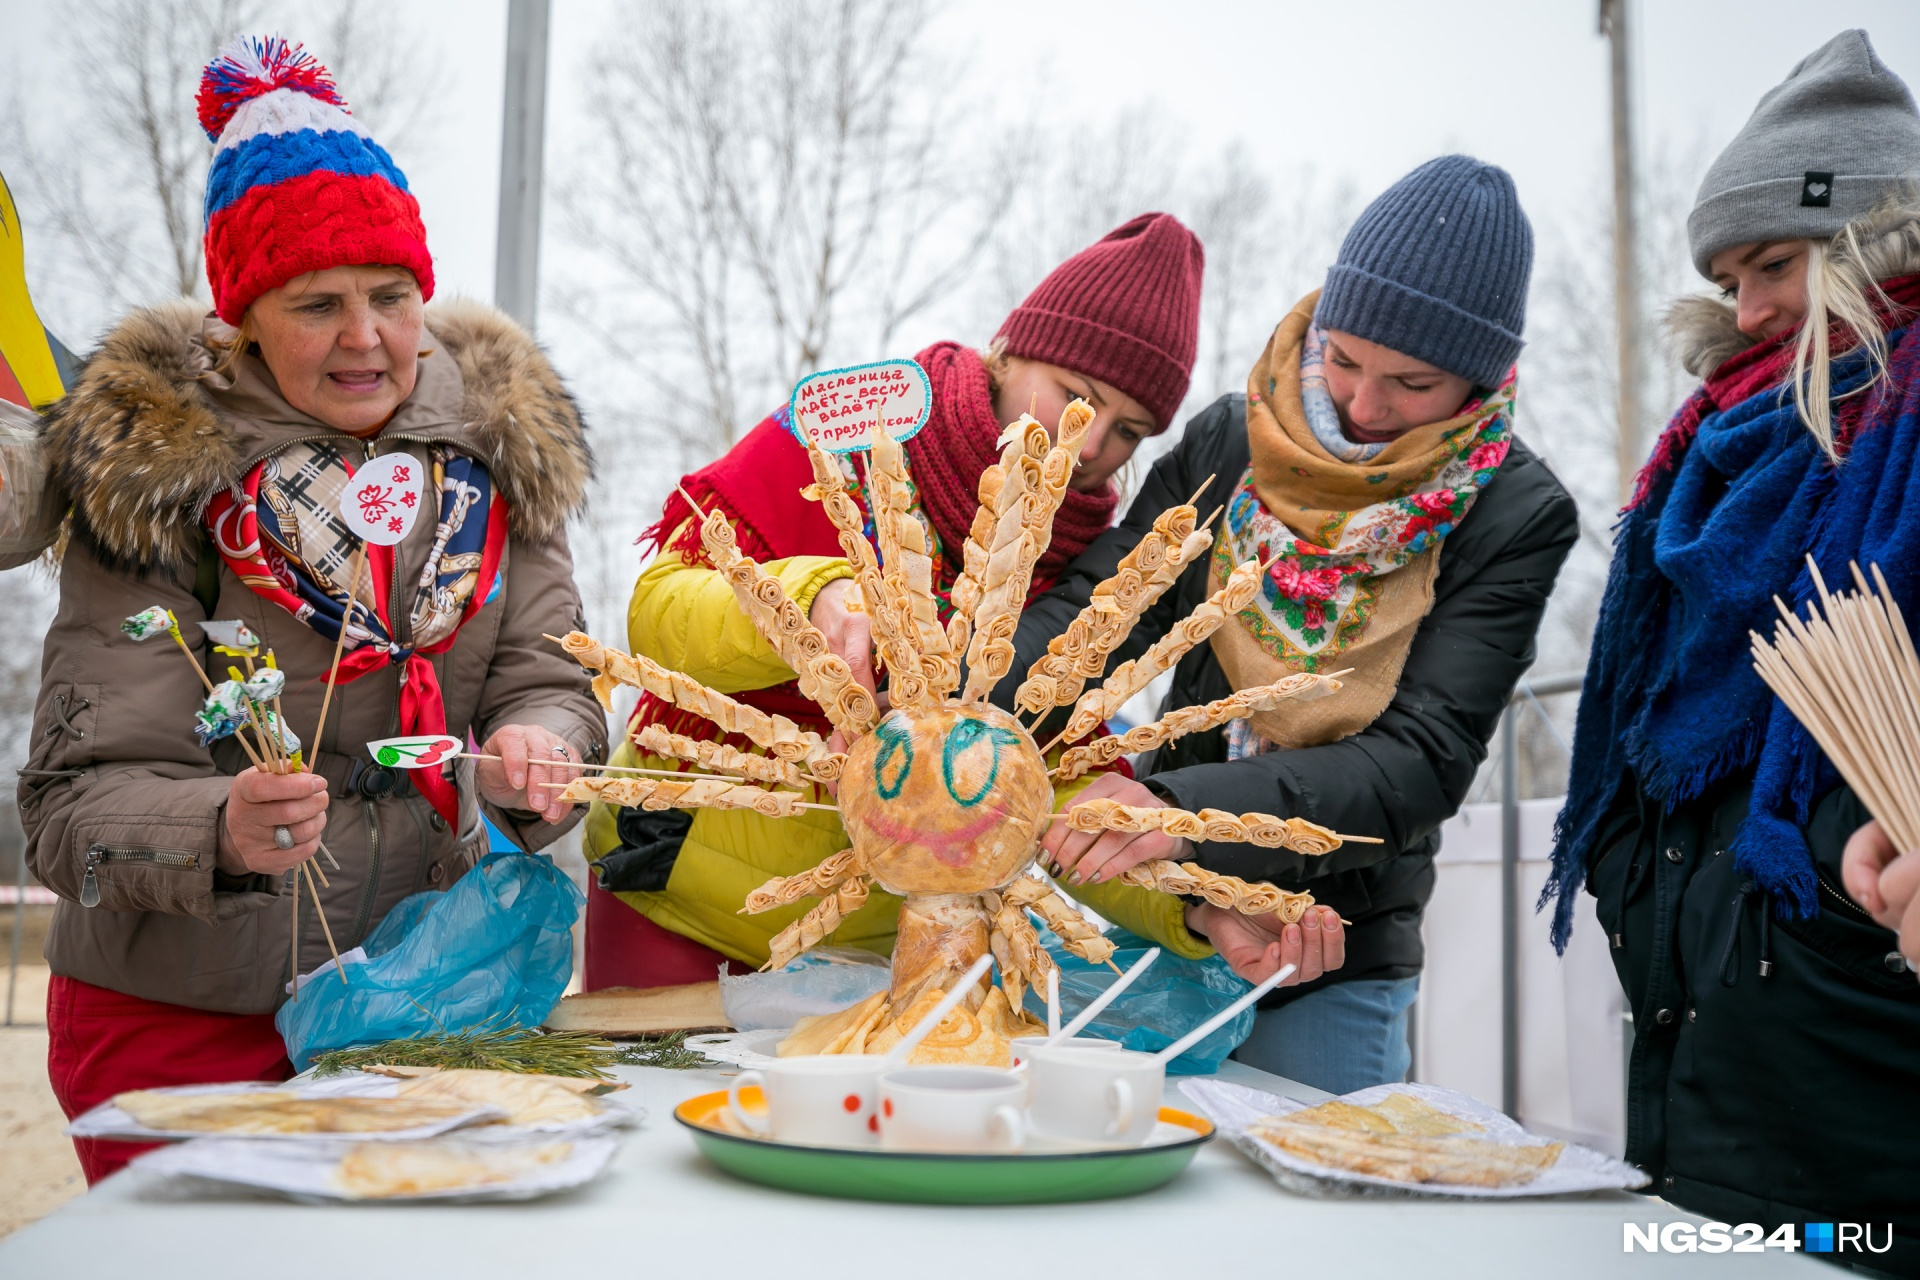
(365, 914)
(99, 853)
(1853, 908)
(331, 437)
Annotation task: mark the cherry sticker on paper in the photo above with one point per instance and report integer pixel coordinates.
(419, 752)
(382, 499)
(837, 408)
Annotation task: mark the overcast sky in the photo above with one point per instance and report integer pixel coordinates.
(1362, 88)
(1366, 88)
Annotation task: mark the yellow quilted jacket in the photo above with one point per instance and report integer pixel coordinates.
(686, 617)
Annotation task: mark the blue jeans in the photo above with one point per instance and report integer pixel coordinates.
(1340, 1038)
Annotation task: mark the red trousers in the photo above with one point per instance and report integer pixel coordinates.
(100, 1043)
(625, 949)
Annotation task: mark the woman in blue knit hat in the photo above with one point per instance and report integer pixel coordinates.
(1774, 1077)
(1414, 542)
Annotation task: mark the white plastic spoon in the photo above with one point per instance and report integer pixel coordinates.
(1102, 1000)
(948, 1003)
(1219, 1019)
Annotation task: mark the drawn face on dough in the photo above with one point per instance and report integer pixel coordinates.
(945, 800)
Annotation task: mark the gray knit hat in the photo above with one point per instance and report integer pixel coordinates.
(1437, 268)
(1823, 147)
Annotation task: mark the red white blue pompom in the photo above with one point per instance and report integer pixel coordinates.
(251, 66)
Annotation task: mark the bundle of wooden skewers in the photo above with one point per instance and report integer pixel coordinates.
(1850, 674)
(250, 701)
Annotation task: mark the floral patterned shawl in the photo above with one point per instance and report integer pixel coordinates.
(1354, 540)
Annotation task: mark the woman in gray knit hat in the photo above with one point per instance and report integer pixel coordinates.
(1774, 1077)
(1413, 542)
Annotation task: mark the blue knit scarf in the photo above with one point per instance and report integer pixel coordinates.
(1723, 523)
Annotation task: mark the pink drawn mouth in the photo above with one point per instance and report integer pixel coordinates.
(951, 847)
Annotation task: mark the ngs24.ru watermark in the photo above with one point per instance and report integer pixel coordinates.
(1749, 1237)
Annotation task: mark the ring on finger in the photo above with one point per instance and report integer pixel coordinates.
(562, 751)
(282, 838)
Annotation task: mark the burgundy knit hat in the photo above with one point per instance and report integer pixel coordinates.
(1125, 311)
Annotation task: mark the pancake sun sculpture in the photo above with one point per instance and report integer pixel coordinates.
(945, 797)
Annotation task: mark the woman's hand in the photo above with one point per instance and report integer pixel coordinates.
(1258, 945)
(1094, 857)
(259, 802)
(534, 765)
(849, 631)
(1886, 884)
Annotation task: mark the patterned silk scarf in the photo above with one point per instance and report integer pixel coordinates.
(1354, 541)
(281, 534)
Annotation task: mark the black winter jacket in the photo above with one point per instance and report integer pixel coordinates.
(1775, 1074)
(1408, 771)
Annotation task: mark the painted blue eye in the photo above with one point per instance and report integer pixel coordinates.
(973, 736)
(895, 759)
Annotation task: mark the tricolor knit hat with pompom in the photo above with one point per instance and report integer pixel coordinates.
(297, 184)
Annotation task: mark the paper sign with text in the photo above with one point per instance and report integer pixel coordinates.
(382, 500)
(836, 408)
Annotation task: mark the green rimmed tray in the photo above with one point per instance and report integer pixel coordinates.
(1041, 1177)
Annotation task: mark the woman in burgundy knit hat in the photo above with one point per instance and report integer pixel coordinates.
(1115, 324)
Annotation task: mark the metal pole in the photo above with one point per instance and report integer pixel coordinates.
(1626, 265)
(19, 928)
(1509, 913)
(516, 268)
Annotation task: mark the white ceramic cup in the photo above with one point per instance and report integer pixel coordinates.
(1023, 1046)
(826, 1100)
(1094, 1095)
(952, 1109)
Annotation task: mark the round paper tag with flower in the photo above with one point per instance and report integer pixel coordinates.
(384, 497)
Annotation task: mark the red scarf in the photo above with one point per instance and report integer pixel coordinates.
(758, 485)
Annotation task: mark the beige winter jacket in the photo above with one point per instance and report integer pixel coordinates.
(120, 803)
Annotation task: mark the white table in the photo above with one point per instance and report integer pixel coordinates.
(664, 1211)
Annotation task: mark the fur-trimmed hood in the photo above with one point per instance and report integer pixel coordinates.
(150, 433)
(1704, 330)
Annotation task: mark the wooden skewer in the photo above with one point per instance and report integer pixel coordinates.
(1344, 839)
(340, 642)
(192, 661)
(295, 936)
(324, 926)
(603, 768)
(804, 804)
(682, 491)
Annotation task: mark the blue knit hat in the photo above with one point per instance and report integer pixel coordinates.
(1437, 268)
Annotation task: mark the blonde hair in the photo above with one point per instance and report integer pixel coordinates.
(231, 349)
(997, 360)
(1839, 287)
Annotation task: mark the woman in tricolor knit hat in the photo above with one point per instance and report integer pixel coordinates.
(1116, 324)
(1413, 543)
(204, 455)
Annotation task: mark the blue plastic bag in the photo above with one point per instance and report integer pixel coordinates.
(1164, 1003)
(497, 945)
